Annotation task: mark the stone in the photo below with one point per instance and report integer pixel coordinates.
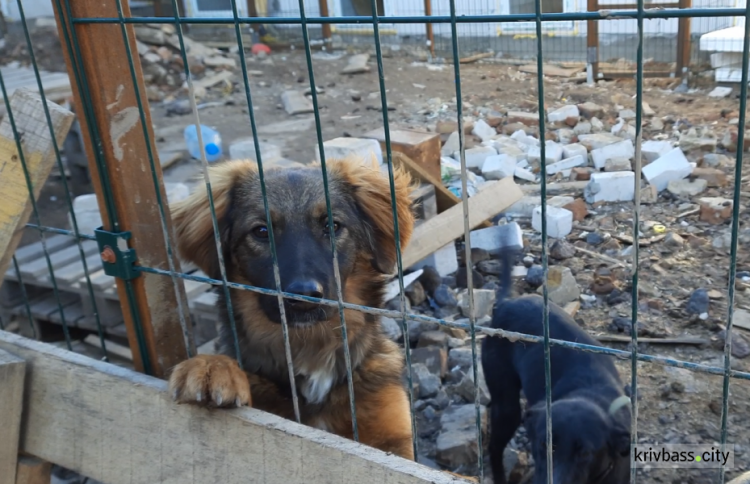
(594, 239)
(477, 255)
(150, 36)
(497, 167)
(617, 164)
(716, 160)
(575, 149)
(647, 110)
(670, 166)
(624, 130)
(720, 92)
(475, 157)
(467, 389)
(296, 103)
(456, 444)
(524, 207)
(535, 276)
(687, 188)
(560, 115)
(416, 328)
(562, 287)
(431, 278)
(598, 140)
(552, 153)
(461, 279)
(366, 150)
(674, 241)
(244, 149)
(649, 194)
(219, 61)
(590, 110)
(524, 174)
(627, 114)
(434, 338)
(494, 239)
(652, 150)
(714, 177)
(433, 357)
(451, 145)
(484, 130)
(460, 358)
(690, 143)
(740, 344)
(491, 267)
(562, 249)
(698, 302)
(583, 127)
(621, 149)
(428, 383)
(391, 328)
(596, 125)
(610, 187)
(559, 221)
(528, 119)
(565, 136)
(511, 148)
(415, 293)
(357, 64)
(484, 299)
(566, 164)
(581, 174)
(444, 296)
(715, 210)
(578, 208)
(443, 260)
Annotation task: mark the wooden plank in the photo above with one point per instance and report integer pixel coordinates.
(34, 251)
(683, 42)
(133, 432)
(43, 307)
(39, 154)
(75, 272)
(73, 314)
(111, 97)
(32, 470)
(423, 149)
(550, 70)
(38, 269)
(12, 372)
(449, 225)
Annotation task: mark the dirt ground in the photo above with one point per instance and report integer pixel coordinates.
(675, 405)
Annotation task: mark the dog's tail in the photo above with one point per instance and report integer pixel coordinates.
(507, 255)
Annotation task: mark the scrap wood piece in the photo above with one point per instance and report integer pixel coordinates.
(444, 198)
(440, 231)
(645, 242)
(12, 373)
(39, 155)
(550, 70)
(685, 340)
(601, 256)
(474, 58)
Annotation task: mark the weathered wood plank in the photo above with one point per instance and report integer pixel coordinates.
(32, 470)
(111, 97)
(449, 225)
(12, 371)
(34, 251)
(135, 433)
(38, 269)
(39, 155)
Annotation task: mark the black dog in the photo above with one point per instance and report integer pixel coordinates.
(590, 413)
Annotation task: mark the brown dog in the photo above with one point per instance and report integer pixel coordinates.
(366, 248)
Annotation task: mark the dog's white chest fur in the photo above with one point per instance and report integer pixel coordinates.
(317, 382)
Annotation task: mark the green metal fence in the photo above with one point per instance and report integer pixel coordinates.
(641, 13)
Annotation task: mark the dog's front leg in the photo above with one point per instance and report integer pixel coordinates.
(214, 380)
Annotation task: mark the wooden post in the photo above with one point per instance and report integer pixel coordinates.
(323, 6)
(592, 40)
(111, 96)
(12, 372)
(683, 42)
(252, 9)
(428, 26)
(39, 154)
(33, 471)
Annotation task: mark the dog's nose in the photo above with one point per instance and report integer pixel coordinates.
(304, 287)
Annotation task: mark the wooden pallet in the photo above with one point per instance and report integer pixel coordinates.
(74, 296)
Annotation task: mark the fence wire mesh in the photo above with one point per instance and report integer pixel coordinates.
(536, 32)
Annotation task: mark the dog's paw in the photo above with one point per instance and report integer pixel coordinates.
(213, 380)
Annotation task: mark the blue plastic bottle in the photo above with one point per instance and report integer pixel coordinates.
(211, 140)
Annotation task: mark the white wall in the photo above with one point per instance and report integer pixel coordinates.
(31, 8)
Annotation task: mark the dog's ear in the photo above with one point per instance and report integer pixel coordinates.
(192, 220)
(372, 191)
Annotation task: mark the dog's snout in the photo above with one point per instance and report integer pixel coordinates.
(304, 287)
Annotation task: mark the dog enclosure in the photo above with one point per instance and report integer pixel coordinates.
(123, 423)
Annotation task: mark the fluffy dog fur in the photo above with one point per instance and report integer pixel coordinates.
(590, 414)
(365, 241)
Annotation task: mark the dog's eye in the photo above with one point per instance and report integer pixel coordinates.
(261, 232)
(336, 228)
